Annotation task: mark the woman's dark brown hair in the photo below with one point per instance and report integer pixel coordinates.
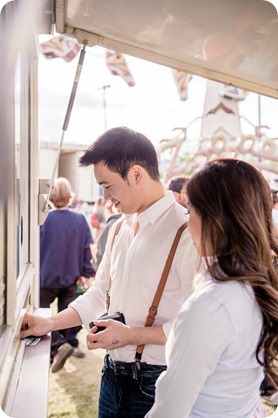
(234, 202)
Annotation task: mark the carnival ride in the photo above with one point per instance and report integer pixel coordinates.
(220, 136)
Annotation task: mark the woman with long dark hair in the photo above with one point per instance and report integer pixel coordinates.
(226, 334)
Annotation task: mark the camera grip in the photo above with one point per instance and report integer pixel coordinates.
(116, 316)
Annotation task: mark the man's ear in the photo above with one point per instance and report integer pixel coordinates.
(177, 196)
(136, 173)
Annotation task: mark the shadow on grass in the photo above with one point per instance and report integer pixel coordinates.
(74, 390)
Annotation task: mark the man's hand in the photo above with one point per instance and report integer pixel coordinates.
(118, 335)
(114, 336)
(35, 325)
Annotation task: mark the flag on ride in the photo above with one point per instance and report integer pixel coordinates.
(60, 47)
(182, 79)
(117, 65)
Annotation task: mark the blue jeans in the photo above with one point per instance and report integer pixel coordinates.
(125, 391)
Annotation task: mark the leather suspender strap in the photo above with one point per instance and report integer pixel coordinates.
(153, 309)
(117, 230)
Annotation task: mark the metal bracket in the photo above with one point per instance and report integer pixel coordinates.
(43, 191)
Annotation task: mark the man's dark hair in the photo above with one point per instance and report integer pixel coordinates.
(176, 183)
(119, 149)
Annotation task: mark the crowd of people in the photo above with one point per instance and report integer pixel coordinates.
(190, 268)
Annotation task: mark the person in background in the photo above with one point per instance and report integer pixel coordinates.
(126, 166)
(112, 215)
(178, 186)
(97, 219)
(226, 334)
(65, 266)
(80, 206)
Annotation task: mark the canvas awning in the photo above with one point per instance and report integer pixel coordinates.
(230, 41)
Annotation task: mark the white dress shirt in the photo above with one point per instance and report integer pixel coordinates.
(135, 265)
(212, 368)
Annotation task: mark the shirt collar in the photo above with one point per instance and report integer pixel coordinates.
(151, 214)
(128, 218)
(157, 209)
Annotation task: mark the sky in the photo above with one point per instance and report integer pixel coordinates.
(152, 106)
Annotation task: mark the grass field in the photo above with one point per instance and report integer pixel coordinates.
(74, 390)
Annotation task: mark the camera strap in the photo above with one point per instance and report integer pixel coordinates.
(153, 309)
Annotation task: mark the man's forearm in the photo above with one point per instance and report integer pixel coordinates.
(146, 335)
(118, 335)
(67, 318)
(37, 325)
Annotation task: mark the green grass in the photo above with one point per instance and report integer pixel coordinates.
(74, 390)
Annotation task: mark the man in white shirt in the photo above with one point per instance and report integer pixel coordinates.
(125, 164)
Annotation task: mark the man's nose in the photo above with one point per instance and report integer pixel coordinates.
(106, 194)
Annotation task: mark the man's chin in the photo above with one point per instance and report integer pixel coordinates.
(127, 212)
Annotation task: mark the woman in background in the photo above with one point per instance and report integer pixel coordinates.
(226, 334)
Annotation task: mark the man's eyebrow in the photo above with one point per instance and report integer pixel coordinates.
(103, 182)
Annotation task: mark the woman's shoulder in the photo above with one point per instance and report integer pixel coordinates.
(226, 291)
(233, 298)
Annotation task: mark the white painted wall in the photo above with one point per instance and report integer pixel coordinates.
(46, 163)
(82, 179)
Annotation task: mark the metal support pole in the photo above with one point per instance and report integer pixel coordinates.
(66, 120)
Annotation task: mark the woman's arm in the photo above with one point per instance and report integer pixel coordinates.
(195, 345)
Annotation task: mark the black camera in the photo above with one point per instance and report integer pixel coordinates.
(116, 316)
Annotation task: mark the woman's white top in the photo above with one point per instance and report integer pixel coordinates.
(212, 368)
